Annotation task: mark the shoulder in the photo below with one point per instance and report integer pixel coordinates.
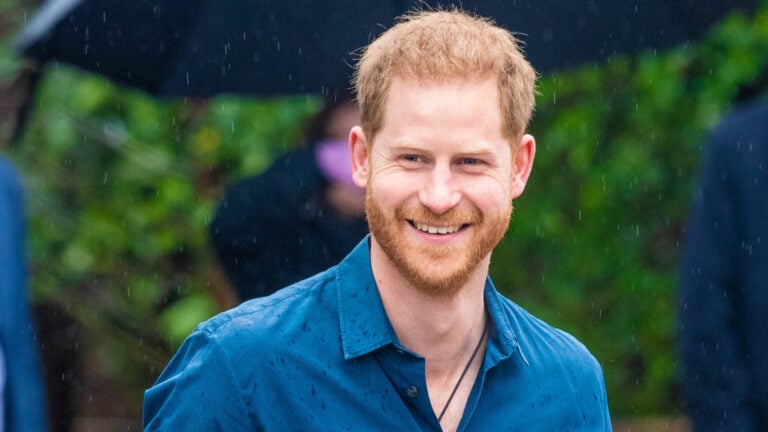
(544, 344)
(249, 327)
(230, 365)
(742, 128)
(291, 170)
(737, 150)
(564, 379)
(750, 115)
(291, 180)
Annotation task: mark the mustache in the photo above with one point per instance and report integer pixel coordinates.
(465, 214)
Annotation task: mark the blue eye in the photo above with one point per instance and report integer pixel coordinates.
(470, 161)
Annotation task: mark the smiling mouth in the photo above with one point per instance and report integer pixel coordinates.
(436, 229)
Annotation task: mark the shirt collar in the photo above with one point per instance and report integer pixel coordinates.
(364, 323)
(503, 342)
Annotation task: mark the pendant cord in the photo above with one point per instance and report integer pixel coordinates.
(466, 368)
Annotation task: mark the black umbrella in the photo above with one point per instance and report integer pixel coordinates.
(202, 48)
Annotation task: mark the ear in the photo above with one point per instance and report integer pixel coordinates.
(358, 149)
(522, 163)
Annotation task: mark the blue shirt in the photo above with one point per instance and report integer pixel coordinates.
(322, 355)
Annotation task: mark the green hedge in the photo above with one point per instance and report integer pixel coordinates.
(122, 188)
(595, 237)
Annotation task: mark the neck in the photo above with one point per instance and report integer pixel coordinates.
(445, 330)
(439, 328)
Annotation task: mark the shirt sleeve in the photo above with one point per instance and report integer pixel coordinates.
(603, 402)
(24, 387)
(197, 392)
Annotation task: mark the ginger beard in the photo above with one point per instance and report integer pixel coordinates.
(438, 271)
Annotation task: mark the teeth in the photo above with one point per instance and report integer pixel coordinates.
(436, 230)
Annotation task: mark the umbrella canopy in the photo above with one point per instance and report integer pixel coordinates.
(202, 48)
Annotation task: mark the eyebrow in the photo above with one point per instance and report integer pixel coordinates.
(475, 150)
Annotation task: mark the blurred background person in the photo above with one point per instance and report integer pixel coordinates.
(21, 383)
(724, 279)
(300, 216)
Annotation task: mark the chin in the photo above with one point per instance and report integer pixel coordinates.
(435, 270)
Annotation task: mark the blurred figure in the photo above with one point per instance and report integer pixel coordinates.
(724, 279)
(297, 218)
(59, 337)
(21, 384)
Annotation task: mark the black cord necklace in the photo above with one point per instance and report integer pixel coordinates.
(466, 368)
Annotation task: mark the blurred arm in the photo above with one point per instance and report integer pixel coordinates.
(24, 392)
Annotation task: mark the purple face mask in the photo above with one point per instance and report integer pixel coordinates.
(333, 159)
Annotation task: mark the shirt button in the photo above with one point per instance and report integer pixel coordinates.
(412, 391)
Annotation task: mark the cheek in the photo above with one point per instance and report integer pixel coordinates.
(391, 186)
(387, 198)
(489, 195)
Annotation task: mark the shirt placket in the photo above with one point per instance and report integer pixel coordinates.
(406, 372)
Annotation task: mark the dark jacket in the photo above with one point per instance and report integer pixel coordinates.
(723, 305)
(275, 229)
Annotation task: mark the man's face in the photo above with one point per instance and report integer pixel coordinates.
(441, 178)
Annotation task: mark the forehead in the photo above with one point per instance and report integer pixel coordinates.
(469, 108)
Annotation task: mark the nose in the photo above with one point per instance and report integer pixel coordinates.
(439, 192)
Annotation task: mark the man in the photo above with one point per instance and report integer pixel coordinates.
(723, 272)
(407, 332)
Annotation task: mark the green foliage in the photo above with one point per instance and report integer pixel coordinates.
(121, 188)
(594, 240)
